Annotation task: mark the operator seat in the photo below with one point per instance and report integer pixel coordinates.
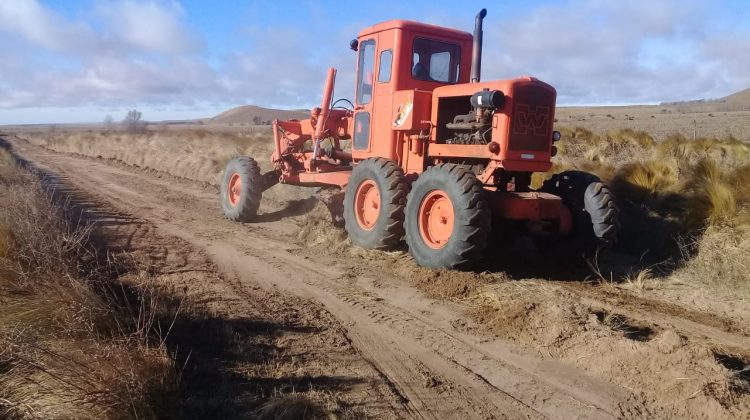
(420, 72)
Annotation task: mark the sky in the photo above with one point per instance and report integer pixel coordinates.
(64, 61)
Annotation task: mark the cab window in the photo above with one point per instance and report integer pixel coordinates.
(435, 61)
(365, 70)
(386, 61)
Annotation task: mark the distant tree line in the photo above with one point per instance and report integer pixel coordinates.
(693, 102)
(132, 122)
(259, 121)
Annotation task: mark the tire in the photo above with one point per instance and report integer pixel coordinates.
(241, 189)
(447, 218)
(374, 204)
(592, 208)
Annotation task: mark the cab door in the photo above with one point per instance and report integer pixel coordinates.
(364, 97)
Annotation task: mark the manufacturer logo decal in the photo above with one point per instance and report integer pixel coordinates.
(403, 112)
(531, 120)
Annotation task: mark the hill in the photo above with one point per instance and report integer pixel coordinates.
(741, 98)
(738, 101)
(251, 114)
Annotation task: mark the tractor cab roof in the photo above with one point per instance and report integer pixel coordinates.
(412, 26)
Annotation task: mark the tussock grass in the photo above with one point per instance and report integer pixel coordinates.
(7, 164)
(641, 181)
(719, 258)
(70, 344)
(682, 200)
(739, 182)
(5, 241)
(712, 200)
(6, 160)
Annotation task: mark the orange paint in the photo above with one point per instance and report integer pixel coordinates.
(412, 79)
(235, 189)
(367, 204)
(436, 219)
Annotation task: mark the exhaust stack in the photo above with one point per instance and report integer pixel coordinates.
(476, 53)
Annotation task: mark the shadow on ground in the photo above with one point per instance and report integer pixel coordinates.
(228, 368)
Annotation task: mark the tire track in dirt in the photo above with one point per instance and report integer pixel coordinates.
(478, 383)
(701, 327)
(286, 323)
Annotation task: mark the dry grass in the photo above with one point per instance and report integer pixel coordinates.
(641, 181)
(68, 346)
(195, 154)
(712, 198)
(720, 258)
(670, 191)
(685, 200)
(7, 164)
(639, 280)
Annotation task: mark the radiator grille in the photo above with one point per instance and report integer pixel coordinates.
(531, 123)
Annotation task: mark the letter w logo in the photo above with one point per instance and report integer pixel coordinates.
(528, 120)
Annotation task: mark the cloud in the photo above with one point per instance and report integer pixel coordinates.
(149, 26)
(730, 56)
(128, 52)
(285, 72)
(606, 51)
(42, 27)
(144, 53)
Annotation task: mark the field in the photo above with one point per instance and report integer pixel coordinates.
(657, 328)
(659, 121)
(721, 118)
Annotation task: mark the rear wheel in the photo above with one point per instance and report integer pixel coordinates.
(374, 204)
(241, 189)
(591, 207)
(447, 218)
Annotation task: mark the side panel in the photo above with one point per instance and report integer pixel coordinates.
(410, 119)
(384, 139)
(410, 108)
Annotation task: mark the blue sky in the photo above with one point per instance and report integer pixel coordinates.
(77, 61)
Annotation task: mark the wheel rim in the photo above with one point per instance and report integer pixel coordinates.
(436, 219)
(234, 189)
(367, 204)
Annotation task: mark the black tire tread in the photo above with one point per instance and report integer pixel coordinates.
(389, 234)
(252, 185)
(468, 244)
(591, 202)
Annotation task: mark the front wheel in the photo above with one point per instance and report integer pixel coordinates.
(374, 204)
(241, 189)
(447, 218)
(592, 209)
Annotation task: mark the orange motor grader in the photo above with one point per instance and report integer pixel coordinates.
(429, 154)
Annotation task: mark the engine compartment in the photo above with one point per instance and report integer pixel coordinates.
(474, 126)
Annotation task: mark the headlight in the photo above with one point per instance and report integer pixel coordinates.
(556, 135)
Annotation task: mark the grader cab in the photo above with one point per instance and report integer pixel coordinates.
(429, 154)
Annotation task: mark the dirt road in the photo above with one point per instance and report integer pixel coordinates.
(430, 358)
